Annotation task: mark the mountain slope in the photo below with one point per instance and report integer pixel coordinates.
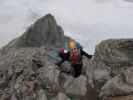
(44, 32)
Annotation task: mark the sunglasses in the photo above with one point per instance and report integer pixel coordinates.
(74, 49)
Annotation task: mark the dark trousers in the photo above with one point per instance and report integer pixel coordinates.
(77, 69)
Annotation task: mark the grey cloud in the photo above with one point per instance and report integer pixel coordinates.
(103, 1)
(129, 1)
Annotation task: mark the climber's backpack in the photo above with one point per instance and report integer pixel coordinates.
(53, 55)
(75, 56)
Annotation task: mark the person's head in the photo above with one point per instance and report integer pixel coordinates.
(72, 44)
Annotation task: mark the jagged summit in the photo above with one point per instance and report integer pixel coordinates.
(44, 32)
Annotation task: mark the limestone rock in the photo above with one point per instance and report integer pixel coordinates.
(128, 97)
(61, 96)
(119, 85)
(76, 86)
(41, 95)
(49, 75)
(115, 52)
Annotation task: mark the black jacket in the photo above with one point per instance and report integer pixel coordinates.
(66, 56)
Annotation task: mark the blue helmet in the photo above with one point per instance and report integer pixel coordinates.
(79, 46)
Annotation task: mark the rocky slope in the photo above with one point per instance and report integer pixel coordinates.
(28, 73)
(44, 32)
(115, 55)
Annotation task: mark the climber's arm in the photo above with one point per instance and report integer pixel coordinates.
(64, 57)
(86, 54)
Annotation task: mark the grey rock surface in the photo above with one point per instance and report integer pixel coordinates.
(76, 86)
(128, 97)
(115, 52)
(119, 85)
(41, 95)
(44, 32)
(108, 71)
(61, 96)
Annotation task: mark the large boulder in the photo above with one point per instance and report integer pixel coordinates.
(41, 95)
(22, 59)
(111, 58)
(61, 96)
(115, 52)
(49, 76)
(19, 65)
(76, 87)
(121, 84)
(128, 97)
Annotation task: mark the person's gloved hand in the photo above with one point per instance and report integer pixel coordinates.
(58, 64)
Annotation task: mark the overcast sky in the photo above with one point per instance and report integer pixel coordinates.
(88, 21)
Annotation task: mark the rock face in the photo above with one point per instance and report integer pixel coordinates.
(44, 32)
(130, 97)
(80, 84)
(41, 95)
(61, 96)
(27, 72)
(113, 58)
(119, 85)
(117, 52)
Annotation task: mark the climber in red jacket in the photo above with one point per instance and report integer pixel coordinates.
(74, 56)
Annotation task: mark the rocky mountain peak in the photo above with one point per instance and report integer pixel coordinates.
(44, 32)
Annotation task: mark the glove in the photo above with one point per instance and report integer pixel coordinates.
(58, 64)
